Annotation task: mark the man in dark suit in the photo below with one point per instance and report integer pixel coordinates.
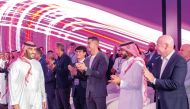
(63, 81)
(151, 56)
(50, 81)
(168, 76)
(96, 67)
(79, 80)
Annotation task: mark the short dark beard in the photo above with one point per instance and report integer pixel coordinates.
(27, 55)
(124, 56)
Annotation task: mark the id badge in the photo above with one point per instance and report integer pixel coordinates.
(76, 82)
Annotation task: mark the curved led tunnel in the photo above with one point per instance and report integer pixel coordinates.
(46, 23)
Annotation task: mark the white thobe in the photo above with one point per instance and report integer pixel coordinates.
(31, 94)
(131, 86)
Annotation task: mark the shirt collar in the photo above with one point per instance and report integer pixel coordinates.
(131, 58)
(82, 60)
(169, 56)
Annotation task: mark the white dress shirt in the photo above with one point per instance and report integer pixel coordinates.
(91, 60)
(165, 62)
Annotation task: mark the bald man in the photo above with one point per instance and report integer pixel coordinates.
(185, 52)
(168, 76)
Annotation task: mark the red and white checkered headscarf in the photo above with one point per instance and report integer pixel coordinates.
(132, 48)
(25, 46)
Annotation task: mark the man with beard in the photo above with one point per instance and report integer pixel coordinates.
(131, 80)
(116, 69)
(151, 56)
(26, 80)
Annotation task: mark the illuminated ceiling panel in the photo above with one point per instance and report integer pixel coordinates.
(70, 21)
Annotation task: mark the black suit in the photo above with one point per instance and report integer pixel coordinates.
(50, 89)
(63, 82)
(96, 82)
(79, 90)
(170, 89)
(150, 62)
(49, 83)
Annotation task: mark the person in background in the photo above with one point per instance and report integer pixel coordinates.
(110, 65)
(185, 53)
(116, 69)
(151, 56)
(3, 79)
(14, 55)
(43, 54)
(79, 80)
(63, 81)
(50, 51)
(40, 58)
(71, 52)
(50, 81)
(168, 76)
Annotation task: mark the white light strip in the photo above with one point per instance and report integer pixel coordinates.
(19, 24)
(63, 32)
(51, 34)
(43, 16)
(185, 36)
(2, 10)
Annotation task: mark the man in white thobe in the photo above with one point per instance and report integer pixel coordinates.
(131, 79)
(26, 81)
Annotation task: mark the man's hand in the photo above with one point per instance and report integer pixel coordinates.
(115, 79)
(149, 76)
(81, 66)
(72, 70)
(16, 106)
(52, 66)
(44, 105)
(113, 71)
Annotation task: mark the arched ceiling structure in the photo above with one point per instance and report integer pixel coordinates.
(47, 22)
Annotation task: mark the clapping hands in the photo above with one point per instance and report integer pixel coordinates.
(72, 70)
(115, 79)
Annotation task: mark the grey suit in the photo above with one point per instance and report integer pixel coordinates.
(187, 81)
(96, 82)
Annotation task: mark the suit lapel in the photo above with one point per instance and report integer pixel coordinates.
(167, 68)
(87, 61)
(159, 67)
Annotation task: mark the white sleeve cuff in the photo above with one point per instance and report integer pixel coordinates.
(123, 84)
(154, 82)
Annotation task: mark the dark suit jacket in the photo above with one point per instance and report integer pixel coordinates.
(62, 72)
(80, 89)
(170, 89)
(96, 81)
(44, 65)
(50, 81)
(150, 63)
